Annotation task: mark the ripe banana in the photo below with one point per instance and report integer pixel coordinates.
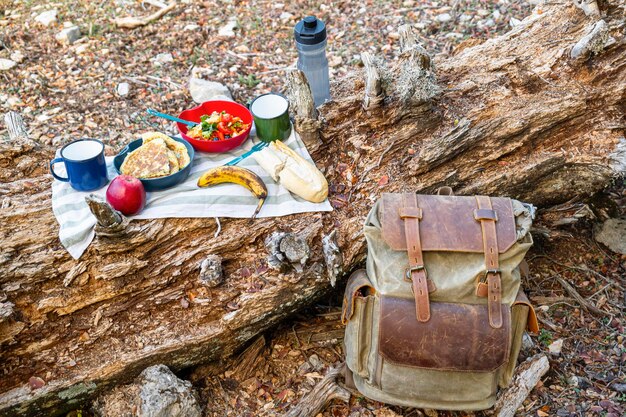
(236, 175)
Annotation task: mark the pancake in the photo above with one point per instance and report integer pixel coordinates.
(150, 160)
(173, 161)
(179, 149)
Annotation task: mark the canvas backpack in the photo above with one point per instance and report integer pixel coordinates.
(437, 319)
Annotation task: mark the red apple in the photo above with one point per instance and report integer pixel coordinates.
(126, 194)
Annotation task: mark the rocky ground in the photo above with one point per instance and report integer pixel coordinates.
(72, 73)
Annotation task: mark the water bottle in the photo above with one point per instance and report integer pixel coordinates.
(310, 34)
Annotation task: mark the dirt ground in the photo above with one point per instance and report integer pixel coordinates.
(70, 91)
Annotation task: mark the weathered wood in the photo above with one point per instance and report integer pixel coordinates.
(586, 305)
(15, 127)
(332, 256)
(526, 377)
(323, 393)
(135, 22)
(374, 94)
(302, 107)
(106, 215)
(515, 116)
(244, 365)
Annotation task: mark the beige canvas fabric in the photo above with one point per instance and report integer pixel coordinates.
(379, 376)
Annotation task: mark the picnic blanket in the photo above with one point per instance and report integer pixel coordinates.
(77, 223)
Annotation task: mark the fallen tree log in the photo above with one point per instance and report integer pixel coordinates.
(516, 115)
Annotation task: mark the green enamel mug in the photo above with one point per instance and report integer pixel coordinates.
(271, 117)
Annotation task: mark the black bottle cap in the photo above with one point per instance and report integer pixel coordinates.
(310, 31)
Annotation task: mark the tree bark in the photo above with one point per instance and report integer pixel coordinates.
(515, 116)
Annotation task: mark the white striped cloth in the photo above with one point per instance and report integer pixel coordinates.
(77, 223)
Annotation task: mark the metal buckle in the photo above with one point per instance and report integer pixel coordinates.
(487, 272)
(411, 269)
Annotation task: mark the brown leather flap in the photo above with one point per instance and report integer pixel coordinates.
(457, 337)
(448, 223)
(532, 325)
(358, 285)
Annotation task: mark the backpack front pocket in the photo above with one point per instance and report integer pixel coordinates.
(457, 337)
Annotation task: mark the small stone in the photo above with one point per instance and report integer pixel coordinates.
(527, 343)
(203, 90)
(483, 12)
(514, 22)
(242, 49)
(573, 381)
(444, 17)
(285, 16)
(465, 17)
(455, 35)
(123, 89)
(6, 64)
(68, 35)
(17, 56)
(35, 382)
(163, 59)
(496, 14)
(408, 3)
(315, 362)
(14, 101)
(228, 30)
(393, 35)
(556, 347)
(490, 23)
(191, 27)
(611, 234)
(47, 18)
(81, 49)
(334, 61)
(156, 392)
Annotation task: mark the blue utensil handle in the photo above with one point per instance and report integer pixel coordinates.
(255, 148)
(55, 161)
(172, 118)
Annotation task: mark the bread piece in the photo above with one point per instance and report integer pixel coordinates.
(173, 161)
(293, 172)
(177, 147)
(150, 160)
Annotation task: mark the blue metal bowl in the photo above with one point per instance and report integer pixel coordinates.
(161, 183)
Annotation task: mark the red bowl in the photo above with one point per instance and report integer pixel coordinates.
(208, 107)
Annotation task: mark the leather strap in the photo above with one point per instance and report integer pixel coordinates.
(411, 214)
(487, 217)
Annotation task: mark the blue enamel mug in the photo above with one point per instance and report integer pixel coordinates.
(84, 164)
